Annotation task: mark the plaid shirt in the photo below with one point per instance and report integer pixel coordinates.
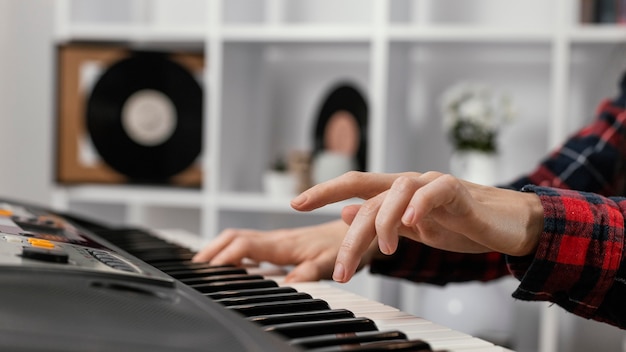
(579, 261)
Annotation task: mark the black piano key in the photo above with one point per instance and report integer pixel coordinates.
(143, 246)
(384, 346)
(157, 255)
(172, 261)
(347, 339)
(250, 292)
(148, 244)
(187, 265)
(194, 273)
(233, 285)
(119, 235)
(281, 297)
(220, 278)
(152, 258)
(249, 310)
(317, 315)
(314, 328)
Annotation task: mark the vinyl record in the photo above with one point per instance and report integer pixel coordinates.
(342, 125)
(144, 116)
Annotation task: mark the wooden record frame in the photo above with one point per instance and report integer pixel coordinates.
(72, 97)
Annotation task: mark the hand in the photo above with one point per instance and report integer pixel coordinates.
(436, 209)
(312, 249)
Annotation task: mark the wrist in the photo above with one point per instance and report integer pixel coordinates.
(534, 224)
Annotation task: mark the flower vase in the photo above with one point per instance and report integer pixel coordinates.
(474, 166)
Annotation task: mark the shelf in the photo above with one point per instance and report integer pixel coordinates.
(446, 33)
(185, 198)
(328, 33)
(136, 33)
(297, 33)
(598, 34)
(146, 195)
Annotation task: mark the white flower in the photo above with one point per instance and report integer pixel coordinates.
(472, 116)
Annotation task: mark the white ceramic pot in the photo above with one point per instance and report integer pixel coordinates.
(475, 166)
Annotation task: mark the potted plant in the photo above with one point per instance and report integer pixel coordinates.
(472, 118)
(278, 180)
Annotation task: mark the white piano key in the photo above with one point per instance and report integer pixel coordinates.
(390, 318)
(385, 317)
(492, 348)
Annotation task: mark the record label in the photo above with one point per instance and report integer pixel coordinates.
(149, 117)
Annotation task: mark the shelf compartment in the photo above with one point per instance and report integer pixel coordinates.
(595, 72)
(422, 72)
(155, 12)
(272, 98)
(503, 14)
(353, 12)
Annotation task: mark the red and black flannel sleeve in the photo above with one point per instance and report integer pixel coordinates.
(580, 253)
(420, 263)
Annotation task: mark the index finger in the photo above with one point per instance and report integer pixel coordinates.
(353, 184)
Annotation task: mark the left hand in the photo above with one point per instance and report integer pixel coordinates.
(436, 209)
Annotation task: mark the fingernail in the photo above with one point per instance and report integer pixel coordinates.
(407, 218)
(300, 199)
(384, 248)
(339, 273)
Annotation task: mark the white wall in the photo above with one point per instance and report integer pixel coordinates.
(26, 102)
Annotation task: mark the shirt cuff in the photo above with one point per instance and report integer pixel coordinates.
(573, 265)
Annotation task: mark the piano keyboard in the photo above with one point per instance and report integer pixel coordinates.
(311, 316)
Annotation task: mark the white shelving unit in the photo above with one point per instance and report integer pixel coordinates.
(271, 62)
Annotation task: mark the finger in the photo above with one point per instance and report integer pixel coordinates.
(216, 246)
(349, 212)
(352, 184)
(357, 240)
(389, 216)
(436, 190)
(235, 252)
(448, 202)
(312, 270)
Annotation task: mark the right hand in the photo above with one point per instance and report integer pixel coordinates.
(311, 249)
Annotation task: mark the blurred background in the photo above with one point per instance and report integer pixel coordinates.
(292, 92)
